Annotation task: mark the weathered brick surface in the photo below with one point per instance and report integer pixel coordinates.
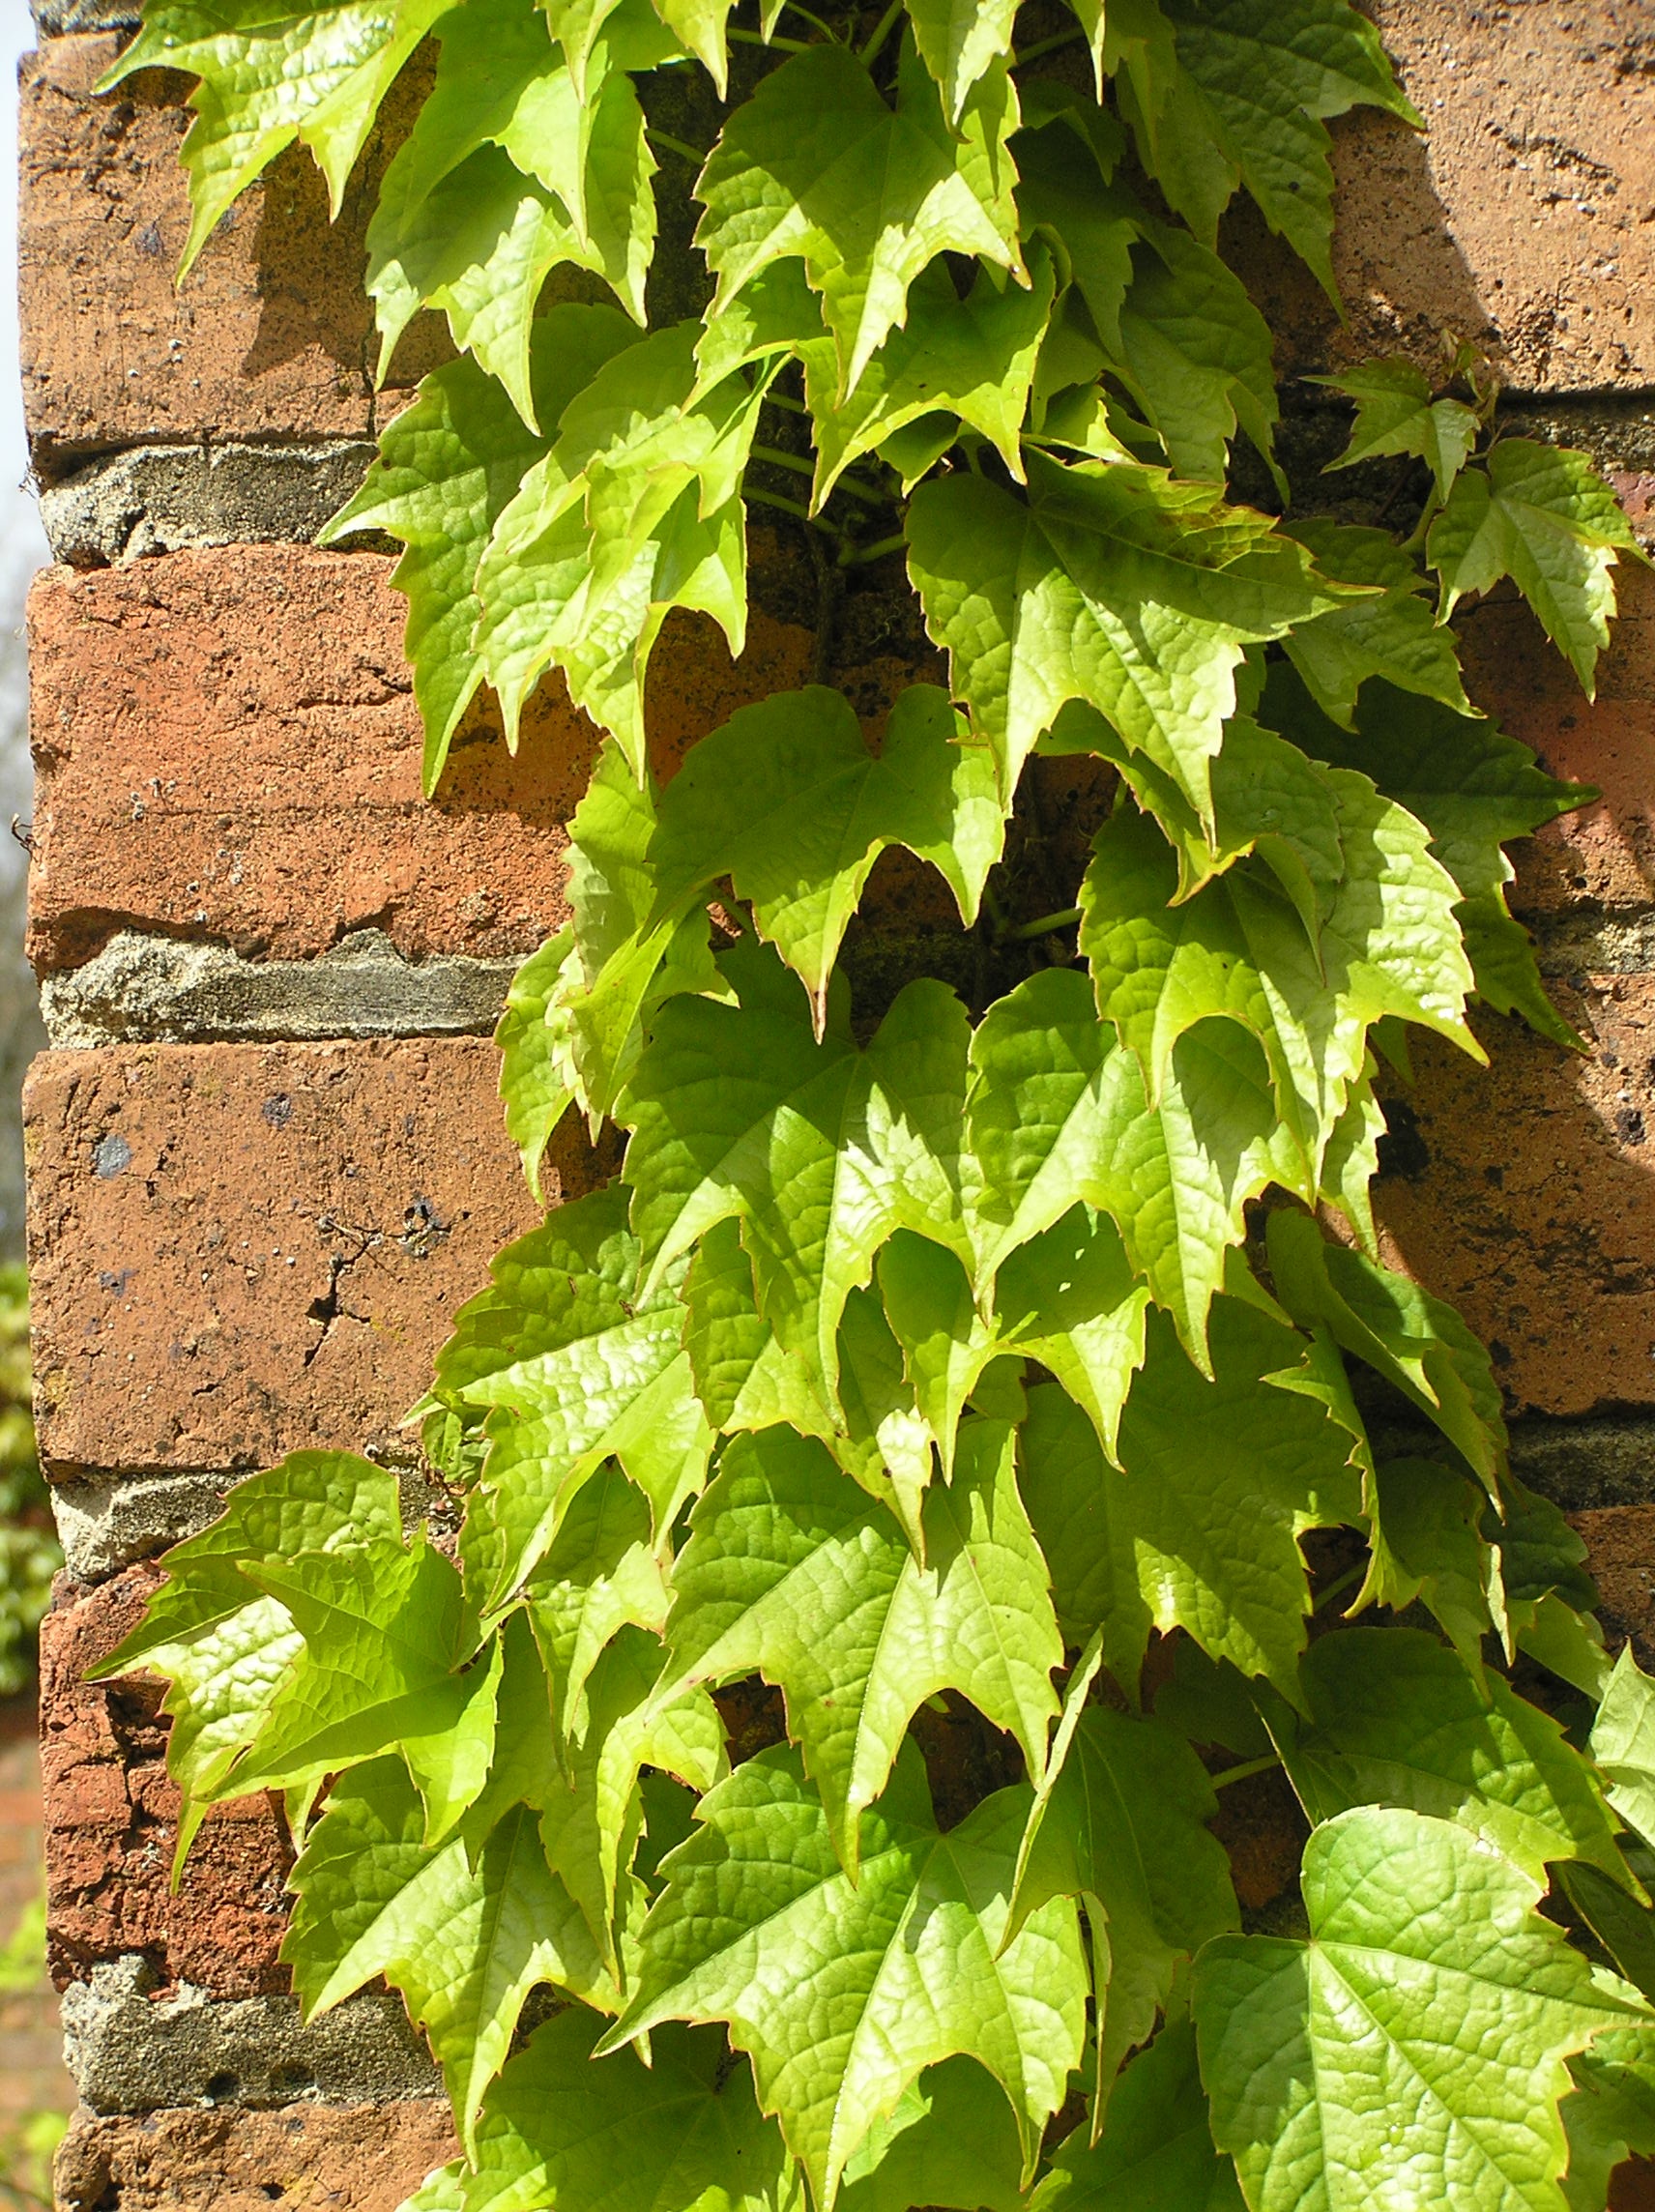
(111, 1822)
(240, 1250)
(1621, 1541)
(1525, 1193)
(1519, 220)
(269, 336)
(227, 747)
(348, 2157)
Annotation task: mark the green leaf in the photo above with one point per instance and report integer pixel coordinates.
(1058, 1115)
(950, 2140)
(814, 809)
(820, 1148)
(1259, 79)
(1426, 1545)
(1156, 2152)
(957, 41)
(315, 74)
(1393, 636)
(1199, 1527)
(817, 166)
(1416, 2046)
(577, 1368)
(1070, 1300)
(1396, 413)
(464, 1935)
(449, 467)
(538, 1077)
(1622, 1742)
(1610, 2114)
(972, 358)
(1386, 944)
(844, 1993)
(1114, 584)
(1398, 1719)
(635, 509)
(601, 1573)
(743, 1378)
(1543, 517)
(572, 2133)
(1418, 1343)
(793, 1573)
(945, 1343)
(1120, 1821)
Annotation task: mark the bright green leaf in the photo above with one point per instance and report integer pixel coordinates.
(1156, 2153)
(1396, 413)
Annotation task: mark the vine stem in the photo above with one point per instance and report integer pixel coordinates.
(1045, 47)
(854, 555)
(784, 45)
(668, 144)
(1248, 1766)
(881, 31)
(782, 461)
(1043, 927)
(794, 507)
(1338, 1589)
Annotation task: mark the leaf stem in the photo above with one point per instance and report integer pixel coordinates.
(787, 46)
(793, 507)
(881, 31)
(1044, 927)
(671, 145)
(1045, 47)
(854, 555)
(1338, 1589)
(778, 459)
(1247, 1767)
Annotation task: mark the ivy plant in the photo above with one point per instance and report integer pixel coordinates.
(975, 1438)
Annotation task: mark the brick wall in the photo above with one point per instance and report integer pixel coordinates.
(267, 1161)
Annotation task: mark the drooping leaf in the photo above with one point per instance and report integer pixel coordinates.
(958, 39)
(1070, 1298)
(448, 468)
(572, 2133)
(577, 1368)
(1413, 1340)
(820, 1148)
(1394, 636)
(1156, 2153)
(793, 1572)
(464, 1935)
(601, 1573)
(1425, 1543)
(843, 1994)
(317, 75)
(1396, 413)
(1543, 517)
(1398, 1719)
(1419, 2037)
(1114, 584)
(1120, 1822)
(1199, 1527)
(814, 809)
(817, 166)
(537, 1074)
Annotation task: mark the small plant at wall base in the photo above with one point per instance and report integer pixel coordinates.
(1020, 1373)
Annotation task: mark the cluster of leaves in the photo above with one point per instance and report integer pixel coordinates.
(1008, 1359)
(29, 1552)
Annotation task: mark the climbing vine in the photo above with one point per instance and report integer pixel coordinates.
(975, 1432)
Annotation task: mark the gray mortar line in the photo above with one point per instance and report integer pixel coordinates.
(1594, 942)
(143, 989)
(160, 499)
(132, 2053)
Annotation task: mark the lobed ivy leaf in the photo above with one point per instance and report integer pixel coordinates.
(950, 2140)
(1113, 584)
(822, 1150)
(1543, 517)
(1622, 1741)
(1200, 1526)
(538, 1076)
(1071, 1299)
(1058, 1115)
(1395, 1718)
(572, 2133)
(577, 1368)
(1154, 2153)
(816, 808)
(816, 166)
(842, 1993)
(1425, 1544)
(958, 39)
(1418, 1343)
(1610, 2114)
(465, 1934)
(602, 1573)
(448, 468)
(1396, 413)
(1393, 636)
(1419, 2037)
(315, 74)
(1120, 1822)
(793, 1573)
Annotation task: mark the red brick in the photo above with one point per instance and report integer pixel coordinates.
(349, 2158)
(1519, 220)
(227, 747)
(111, 1823)
(271, 334)
(1620, 1543)
(1525, 1193)
(238, 1250)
